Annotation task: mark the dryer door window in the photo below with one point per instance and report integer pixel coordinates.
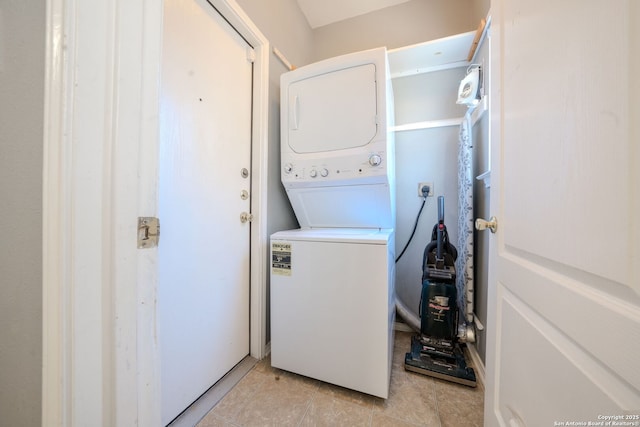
(333, 111)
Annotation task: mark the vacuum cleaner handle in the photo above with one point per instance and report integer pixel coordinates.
(440, 234)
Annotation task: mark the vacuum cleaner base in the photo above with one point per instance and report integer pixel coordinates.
(450, 368)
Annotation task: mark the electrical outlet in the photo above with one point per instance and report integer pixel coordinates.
(421, 185)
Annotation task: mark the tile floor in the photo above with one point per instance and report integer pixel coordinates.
(268, 396)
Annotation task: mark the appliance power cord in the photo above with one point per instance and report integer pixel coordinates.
(415, 226)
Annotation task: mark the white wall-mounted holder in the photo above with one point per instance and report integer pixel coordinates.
(436, 55)
(485, 178)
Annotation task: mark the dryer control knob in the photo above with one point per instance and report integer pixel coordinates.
(313, 173)
(375, 160)
(324, 172)
(288, 168)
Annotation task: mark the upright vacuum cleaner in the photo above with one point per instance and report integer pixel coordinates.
(436, 351)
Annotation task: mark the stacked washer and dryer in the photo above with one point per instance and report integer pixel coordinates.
(332, 280)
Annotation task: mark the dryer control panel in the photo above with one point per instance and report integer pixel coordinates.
(332, 171)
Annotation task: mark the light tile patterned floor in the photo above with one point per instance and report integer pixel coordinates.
(268, 396)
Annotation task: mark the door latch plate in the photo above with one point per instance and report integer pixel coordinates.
(148, 232)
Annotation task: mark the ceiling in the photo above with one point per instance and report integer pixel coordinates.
(319, 13)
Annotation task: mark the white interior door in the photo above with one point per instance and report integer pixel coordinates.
(564, 306)
(203, 283)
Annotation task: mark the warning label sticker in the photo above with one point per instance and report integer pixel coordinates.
(281, 258)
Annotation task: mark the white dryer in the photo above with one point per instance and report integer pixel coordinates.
(332, 281)
(337, 149)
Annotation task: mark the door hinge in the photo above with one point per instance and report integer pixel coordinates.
(148, 232)
(251, 55)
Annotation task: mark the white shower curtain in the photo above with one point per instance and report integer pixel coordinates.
(464, 262)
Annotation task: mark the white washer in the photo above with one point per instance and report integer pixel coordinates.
(333, 306)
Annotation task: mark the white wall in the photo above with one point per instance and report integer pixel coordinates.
(480, 9)
(428, 155)
(22, 37)
(431, 156)
(284, 25)
(288, 31)
(408, 23)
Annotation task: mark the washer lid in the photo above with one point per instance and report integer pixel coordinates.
(336, 235)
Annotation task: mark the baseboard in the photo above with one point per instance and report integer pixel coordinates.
(402, 327)
(201, 407)
(478, 366)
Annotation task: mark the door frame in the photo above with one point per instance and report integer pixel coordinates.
(496, 241)
(102, 72)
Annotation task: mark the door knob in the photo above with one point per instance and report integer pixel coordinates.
(246, 217)
(482, 224)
